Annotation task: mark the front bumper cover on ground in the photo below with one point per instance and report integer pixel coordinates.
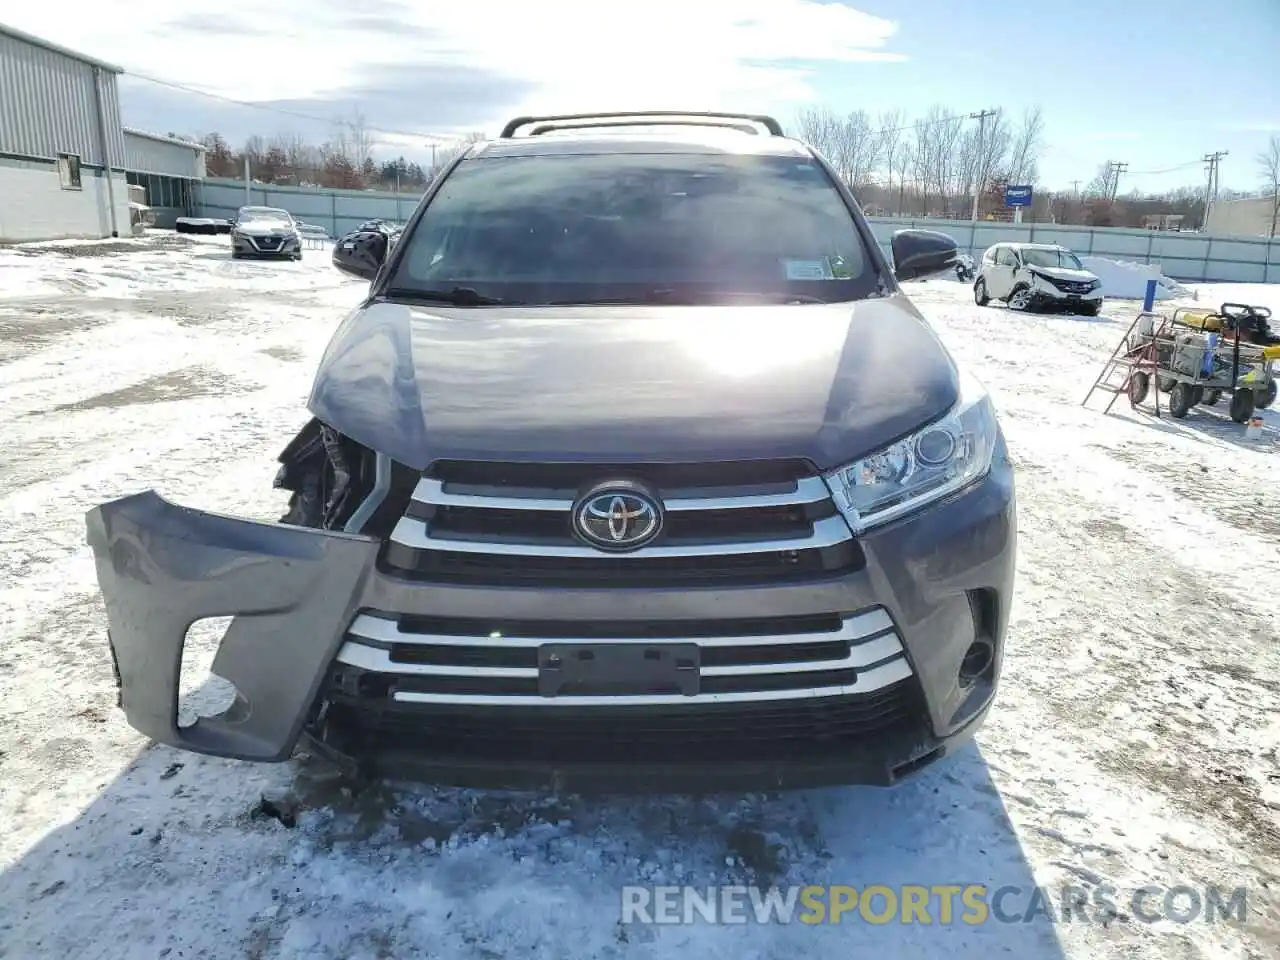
(292, 591)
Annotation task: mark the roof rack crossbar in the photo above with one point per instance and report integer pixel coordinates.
(769, 123)
(595, 124)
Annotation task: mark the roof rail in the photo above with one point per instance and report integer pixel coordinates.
(596, 124)
(643, 118)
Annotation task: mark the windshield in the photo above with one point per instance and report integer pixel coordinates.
(1051, 258)
(264, 213)
(592, 228)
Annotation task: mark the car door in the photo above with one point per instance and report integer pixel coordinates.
(1001, 281)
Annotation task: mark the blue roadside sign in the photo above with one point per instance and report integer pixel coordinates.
(1017, 196)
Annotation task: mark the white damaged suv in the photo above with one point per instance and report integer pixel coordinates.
(1037, 276)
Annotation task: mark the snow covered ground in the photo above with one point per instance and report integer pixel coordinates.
(1133, 743)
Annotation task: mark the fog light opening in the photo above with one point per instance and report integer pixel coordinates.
(977, 661)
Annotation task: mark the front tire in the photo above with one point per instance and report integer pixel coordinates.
(980, 293)
(1242, 405)
(1020, 299)
(1090, 310)
(1181, 400)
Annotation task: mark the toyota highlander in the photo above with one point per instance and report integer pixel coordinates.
(634, 469)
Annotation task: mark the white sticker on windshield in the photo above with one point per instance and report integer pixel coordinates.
(808, 270)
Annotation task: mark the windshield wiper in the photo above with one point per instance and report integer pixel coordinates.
(455, 296)
(670, 297)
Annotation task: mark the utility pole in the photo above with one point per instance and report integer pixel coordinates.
(1116, 170)
(1213, 161)
(1075, 188)
(980, 180)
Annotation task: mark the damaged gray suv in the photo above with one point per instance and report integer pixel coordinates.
(635, 470)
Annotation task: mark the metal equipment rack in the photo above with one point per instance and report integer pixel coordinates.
(1192, 368)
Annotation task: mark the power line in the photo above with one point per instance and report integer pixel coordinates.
(417, 134)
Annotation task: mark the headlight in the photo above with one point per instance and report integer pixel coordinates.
(930, 464)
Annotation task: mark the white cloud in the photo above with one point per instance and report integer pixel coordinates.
(576, 55)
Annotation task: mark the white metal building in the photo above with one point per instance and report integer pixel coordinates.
(167, 169)
(59, 134)
(60, 131)
(1246, 217)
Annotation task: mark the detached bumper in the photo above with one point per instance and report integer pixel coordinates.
(162, 567)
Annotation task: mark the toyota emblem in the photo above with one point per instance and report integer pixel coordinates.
(617, 518)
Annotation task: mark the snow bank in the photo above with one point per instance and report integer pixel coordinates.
(1124, 280)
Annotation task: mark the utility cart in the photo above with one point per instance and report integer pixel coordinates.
(1196, 356)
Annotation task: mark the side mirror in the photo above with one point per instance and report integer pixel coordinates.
(361, 253)
(919, 253)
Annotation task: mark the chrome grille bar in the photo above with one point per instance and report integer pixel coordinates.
(415, 534)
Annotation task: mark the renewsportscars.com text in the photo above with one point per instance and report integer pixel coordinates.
(972, 904)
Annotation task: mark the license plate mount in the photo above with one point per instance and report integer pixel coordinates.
(618, 669)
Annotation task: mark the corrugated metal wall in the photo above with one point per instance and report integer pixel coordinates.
(162, 157)
(47, 105)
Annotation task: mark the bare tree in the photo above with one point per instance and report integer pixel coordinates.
(904, 162)
(1027, 146)
(304, 158)
(923, 154)
(890, 142)
(982, 150)
(939, 136)
(1100, 185)
(858, 148)
(820, 128)
(1269, 163)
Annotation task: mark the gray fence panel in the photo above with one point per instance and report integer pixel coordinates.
(1188, 257)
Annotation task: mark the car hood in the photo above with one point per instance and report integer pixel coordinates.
(256, 227)
(1065, 273)
(824, 382)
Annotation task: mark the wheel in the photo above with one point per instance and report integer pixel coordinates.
(1211, 396)
(1268, 396)
(1089, 310)
(980, 293)
(297, 257)
(1197, 395)
(1139, 387)
(1020, 299)
(1180, 400)
(1242, 403)
(237, 255)
(1165, 384)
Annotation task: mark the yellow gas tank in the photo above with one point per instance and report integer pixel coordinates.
(1200, 320)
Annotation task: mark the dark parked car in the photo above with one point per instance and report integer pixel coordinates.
(635, 469)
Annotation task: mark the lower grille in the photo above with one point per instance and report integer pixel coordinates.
(724, 522)
(724, 733)
(388, 661)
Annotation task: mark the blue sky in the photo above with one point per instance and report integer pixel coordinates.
(1153, 84)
